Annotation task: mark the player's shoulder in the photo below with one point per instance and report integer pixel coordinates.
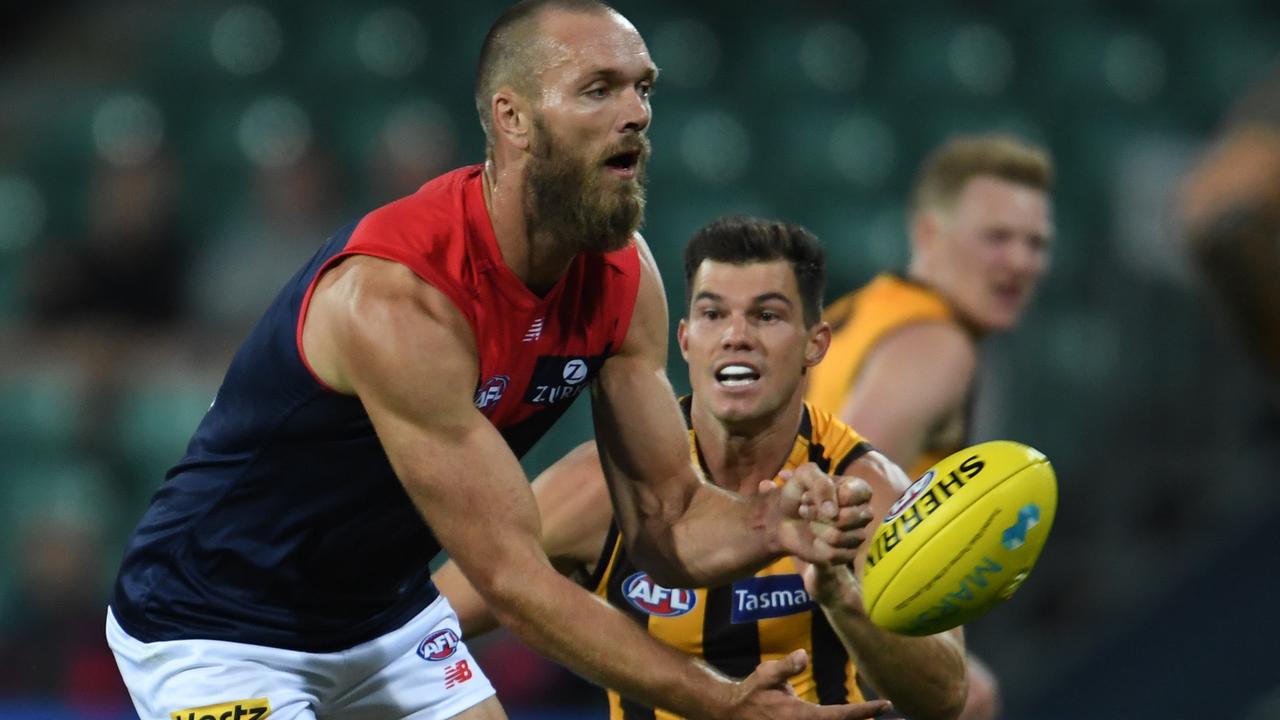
(840, 442)
(897, 293)
(634, 257)
(938, 343)
(366, 289)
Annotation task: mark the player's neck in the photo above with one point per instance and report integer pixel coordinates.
(740, 455)
(538, 259)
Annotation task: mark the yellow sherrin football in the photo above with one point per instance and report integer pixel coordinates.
(961, 539)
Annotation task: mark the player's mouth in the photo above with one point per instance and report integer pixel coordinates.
(1011, 294)
(736, 375)
(623, 164)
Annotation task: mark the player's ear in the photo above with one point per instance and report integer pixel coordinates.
(816, 346)
(924, 228)
(512, 118)
(682, 338)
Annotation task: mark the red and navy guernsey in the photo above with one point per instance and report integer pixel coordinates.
(284, 524)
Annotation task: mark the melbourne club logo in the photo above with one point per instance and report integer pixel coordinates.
(439, 645)
(490, 392)
(649, 597)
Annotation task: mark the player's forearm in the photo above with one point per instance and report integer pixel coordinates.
(474, 615)
(719, 537)
(580, 631)
(924, 677)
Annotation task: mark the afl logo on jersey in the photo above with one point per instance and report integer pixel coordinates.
(909, 496)
(575, 371)
(649, 597)
(490, 392)
(439, 645)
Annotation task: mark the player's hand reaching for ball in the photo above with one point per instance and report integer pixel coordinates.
(765, 695)
(821, 519)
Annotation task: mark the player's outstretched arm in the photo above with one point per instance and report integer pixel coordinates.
(923, 676)
(375, 330)
(913, 379)
(573, 505)
(683, 531)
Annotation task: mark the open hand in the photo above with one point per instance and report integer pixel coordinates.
(765, 694)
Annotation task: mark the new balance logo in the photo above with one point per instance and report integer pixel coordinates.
(1015, 535)
(535, 331)
(457, 673)
(254, 709)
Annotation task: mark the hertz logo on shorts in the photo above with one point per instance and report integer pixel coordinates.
(254, 709)
(927, 497)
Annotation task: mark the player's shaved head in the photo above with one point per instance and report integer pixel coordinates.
(515, 51)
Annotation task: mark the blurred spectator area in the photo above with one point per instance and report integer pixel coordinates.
(165, 167)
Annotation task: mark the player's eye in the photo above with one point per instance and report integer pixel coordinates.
(645, 89)
(599, 92)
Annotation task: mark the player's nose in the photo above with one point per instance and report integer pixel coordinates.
(737, 332)
(636, 112)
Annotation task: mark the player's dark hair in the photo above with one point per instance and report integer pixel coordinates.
(509, 55)
(743, 240)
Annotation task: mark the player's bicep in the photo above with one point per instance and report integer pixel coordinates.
(408, 355)
(639, 428)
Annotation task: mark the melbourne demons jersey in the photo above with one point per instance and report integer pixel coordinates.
(284, 524)
(738, 626)
(859, 321)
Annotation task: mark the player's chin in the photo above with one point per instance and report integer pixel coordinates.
(1000, 316)
(735, 407)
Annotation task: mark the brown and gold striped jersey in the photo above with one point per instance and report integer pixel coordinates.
(735, 627)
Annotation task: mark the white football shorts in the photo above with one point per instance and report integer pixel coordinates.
(421, 671)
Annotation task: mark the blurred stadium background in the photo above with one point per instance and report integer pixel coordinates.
(164, 167)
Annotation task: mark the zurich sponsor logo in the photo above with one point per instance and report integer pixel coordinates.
(575, 371)
(909, 496)
(1015, 535)
(489, 393)
(770, 596)
(439, 645)
(648, 596)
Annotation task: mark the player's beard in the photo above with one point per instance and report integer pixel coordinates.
(576, 200)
